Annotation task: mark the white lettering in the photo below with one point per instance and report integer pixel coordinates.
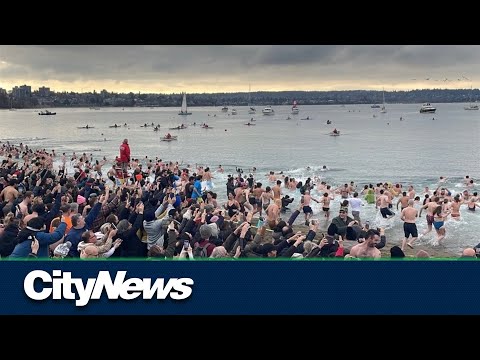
(64, 286)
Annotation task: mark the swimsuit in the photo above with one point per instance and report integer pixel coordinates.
(438, 224)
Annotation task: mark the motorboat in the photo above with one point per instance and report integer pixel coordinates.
(295, 108)
(427, 108)
(47, 112)
(234, 111)
(225, 109)
(335, 132)
(268, 111)
(375, 106)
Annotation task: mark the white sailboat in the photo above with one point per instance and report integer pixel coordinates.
(295, 109)
(471, 106)
(184, 109)
(251, 109)
(384, 109)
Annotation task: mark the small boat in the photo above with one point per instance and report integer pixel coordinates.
(207, 127)
(86, 127)
(225, 109)
(268, 111)
(295, 109)
(184, 109)
(169, 138)
(234, 112)
(115, 126)
(375, 106)
(307, 118)
(335, 133)
(328, 122)
(46, 112)
(249, 124)
(179, 127)
(427, 108)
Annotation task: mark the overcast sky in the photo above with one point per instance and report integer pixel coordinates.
(227, 68)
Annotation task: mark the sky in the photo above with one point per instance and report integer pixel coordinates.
(236, 68)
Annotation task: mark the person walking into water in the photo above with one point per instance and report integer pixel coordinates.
(409, 216)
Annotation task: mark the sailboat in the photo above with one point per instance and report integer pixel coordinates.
(384, 109)
(471, 106)
(184, 110)
(251, 109)
(295, 109)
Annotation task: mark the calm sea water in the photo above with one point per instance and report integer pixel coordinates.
(417, 150)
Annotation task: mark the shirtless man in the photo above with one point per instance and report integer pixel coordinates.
(266, 197)
(384, 202)
(9, 194)
(409, 216)
(207, 176)
(411, 192)
(403, 200)
(277, 191)
(455, 207)
(22, 208)
(307, 210)
(273, 211)
(272, 177)
(367, 248)
(257, 192)
(430, 207)
(344, 191)
(325, 201)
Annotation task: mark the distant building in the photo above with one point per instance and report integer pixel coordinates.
(21, 92)
(3, 91)
(44, 91)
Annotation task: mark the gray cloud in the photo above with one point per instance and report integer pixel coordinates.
(228, 67)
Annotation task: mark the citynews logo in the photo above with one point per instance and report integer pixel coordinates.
(60, 284)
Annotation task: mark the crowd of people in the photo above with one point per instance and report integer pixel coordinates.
(163, 210)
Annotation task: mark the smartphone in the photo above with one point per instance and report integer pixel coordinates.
(113, 226)
(186, 244)
(260, 222)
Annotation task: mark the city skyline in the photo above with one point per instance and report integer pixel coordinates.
(236, 68)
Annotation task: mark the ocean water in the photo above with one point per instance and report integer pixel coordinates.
(373, 147)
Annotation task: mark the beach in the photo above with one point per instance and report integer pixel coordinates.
(370, 149)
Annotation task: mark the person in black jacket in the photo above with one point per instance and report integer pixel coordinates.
(132, 245)
(8, 239)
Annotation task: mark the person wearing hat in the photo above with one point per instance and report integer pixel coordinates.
(339, 224)
(35, 229)
(205, 233)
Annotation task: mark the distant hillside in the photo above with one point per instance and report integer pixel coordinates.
(260, 98)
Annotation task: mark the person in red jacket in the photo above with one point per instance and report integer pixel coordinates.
(124, 158)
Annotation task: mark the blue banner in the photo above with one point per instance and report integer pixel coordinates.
(239, 287)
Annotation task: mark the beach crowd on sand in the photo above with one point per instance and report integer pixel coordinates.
(153, 209)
